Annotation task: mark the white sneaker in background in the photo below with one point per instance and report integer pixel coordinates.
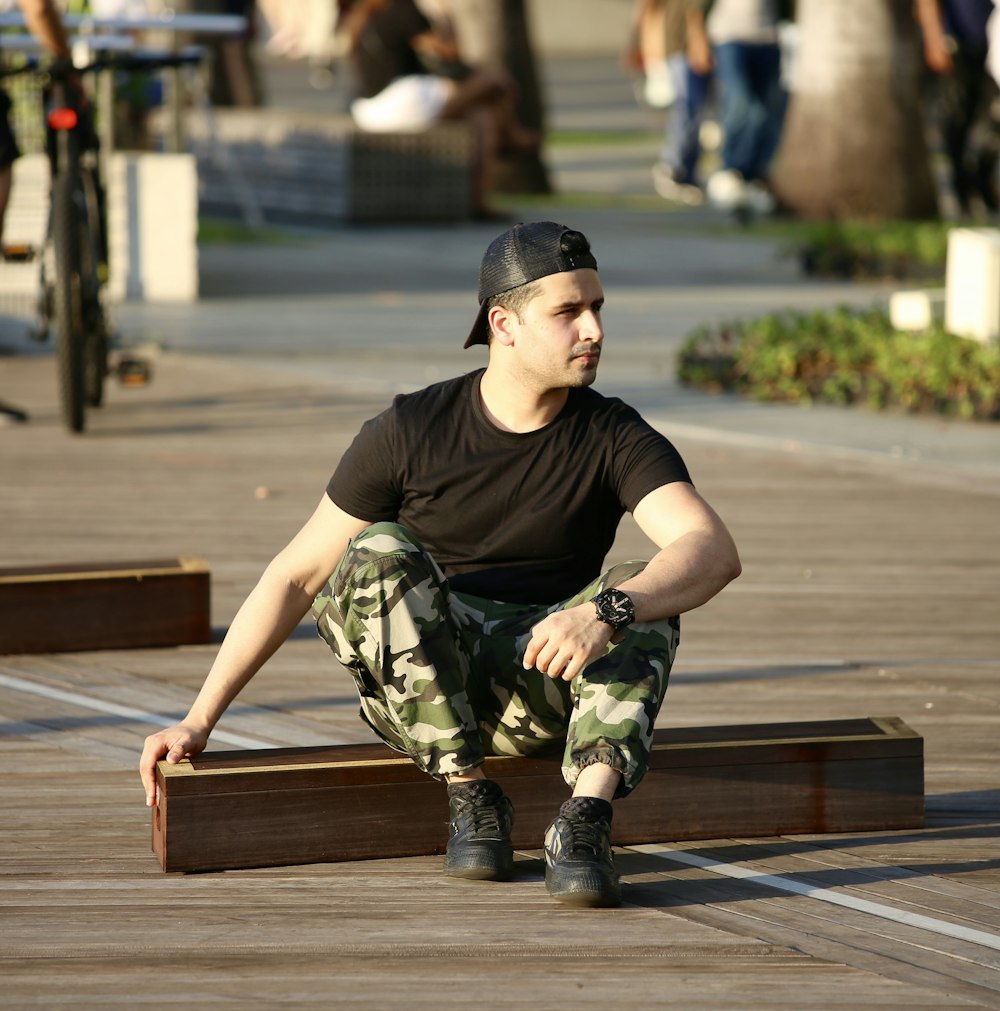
(759, 198)
(666, 185)
(659, 91)
(726, 190)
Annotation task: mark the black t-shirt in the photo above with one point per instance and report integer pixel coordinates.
(526, 518)
(384, 51)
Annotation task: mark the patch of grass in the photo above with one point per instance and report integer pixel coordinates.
(846, 357)
(584, 201)
(226, 231)
(864, 249)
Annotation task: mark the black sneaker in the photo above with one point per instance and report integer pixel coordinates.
(481, 820)
(579, 869)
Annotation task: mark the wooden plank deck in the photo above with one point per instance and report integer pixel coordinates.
(865, 591)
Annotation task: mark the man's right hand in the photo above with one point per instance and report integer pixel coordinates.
(699, 54)
(937, 54)
(173, 744)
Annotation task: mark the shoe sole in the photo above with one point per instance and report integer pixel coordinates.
(584, 899)
(592, 893)
(482, 866)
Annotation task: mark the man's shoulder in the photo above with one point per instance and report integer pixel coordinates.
(587, 400)
(434, 398)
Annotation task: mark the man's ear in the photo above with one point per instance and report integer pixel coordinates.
(500, 320)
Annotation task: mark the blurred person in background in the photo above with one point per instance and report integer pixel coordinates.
(410, 75)
(658, 49)
(739, 39)
(304, 30)
(43, 20)
(964, 97)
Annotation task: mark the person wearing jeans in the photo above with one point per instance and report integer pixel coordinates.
(739, 39)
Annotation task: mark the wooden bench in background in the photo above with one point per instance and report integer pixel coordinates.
(353, 802)
(56, 608)
(323, 169)
(264, 165)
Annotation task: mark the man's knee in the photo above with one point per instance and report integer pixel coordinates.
(385, 573)
(381, 552)
(384, 538)
(645, 651)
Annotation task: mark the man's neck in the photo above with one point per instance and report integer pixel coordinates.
(514, 407)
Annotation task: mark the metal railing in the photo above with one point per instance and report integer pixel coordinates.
(89, 35)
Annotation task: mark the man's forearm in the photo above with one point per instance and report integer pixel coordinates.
(262, 624)
(699, 48)
(684, 575)
(680, 577)
(928, 16)
(937, 47)
(43, 21)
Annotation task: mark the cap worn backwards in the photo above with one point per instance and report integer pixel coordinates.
(522, 254)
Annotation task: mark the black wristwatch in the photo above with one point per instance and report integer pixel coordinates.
(615, 607)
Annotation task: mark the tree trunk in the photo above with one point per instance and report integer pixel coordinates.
(494, 33)
(854, 143)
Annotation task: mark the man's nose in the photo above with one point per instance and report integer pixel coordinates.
(591, 328)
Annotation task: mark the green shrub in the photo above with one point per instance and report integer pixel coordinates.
(846, 357)
(862, 249)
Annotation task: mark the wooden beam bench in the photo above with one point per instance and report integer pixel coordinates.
(352, 802)
(122, 605)
(324, 170)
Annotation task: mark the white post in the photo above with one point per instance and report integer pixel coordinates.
(972, 283)
(153, 227)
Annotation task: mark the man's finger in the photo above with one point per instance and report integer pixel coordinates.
(530, 654)
(556, 667)
(533, 653)
(147, 770)
(155, 749)
(548, 661)
(571, 671)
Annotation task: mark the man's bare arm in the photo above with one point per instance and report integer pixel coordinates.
(697, 555)
(937, 51)
(699, 48)
(697, 558)
(267, 617)
(44, 22)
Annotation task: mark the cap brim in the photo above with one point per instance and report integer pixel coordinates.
(480, 332)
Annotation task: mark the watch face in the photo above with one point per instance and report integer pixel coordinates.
(615, 607)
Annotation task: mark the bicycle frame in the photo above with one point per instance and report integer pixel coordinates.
(74, 267)
(73, 146)
(75, 264)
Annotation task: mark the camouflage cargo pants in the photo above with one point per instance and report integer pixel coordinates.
(440, 674)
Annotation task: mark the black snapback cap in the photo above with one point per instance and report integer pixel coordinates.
(522, 254)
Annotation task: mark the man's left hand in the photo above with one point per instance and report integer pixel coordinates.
(563, 643)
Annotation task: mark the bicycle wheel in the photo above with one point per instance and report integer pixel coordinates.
(67, 302)
(92, 268)
(95, 366)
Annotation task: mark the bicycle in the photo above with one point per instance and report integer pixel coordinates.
(74, 267)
